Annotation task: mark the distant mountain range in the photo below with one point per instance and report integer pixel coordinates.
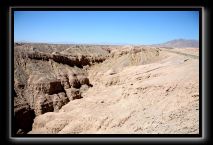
(179, 43)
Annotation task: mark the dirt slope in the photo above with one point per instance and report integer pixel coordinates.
(142, 91)
(46, 77)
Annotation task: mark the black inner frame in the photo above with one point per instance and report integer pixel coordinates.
(107, 8)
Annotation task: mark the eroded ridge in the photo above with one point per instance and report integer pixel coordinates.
(65, 89)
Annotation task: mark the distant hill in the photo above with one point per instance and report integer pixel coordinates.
(180, 43)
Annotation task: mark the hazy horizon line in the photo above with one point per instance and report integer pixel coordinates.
(101, 43)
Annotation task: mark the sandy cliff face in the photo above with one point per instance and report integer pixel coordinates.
(120, 89)
(46, 79)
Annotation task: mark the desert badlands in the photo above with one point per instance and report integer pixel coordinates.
(105, 89)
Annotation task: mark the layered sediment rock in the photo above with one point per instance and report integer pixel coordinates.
(49, 103)
(43, 83)
(49, 77)
(79, 61)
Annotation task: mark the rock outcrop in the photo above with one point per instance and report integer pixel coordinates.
(74, 82)
(83, 80)
(43, 83)
(103, 89)
(79, 61)
(49, 103)
(64, 81)
(155, 98)
(23, 118)
(73, 93)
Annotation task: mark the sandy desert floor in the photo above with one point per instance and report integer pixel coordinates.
(158, 97)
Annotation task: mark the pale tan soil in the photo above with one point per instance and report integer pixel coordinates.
(192, 51)
(156, 95)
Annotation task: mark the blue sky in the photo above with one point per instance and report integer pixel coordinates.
(112, 27)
